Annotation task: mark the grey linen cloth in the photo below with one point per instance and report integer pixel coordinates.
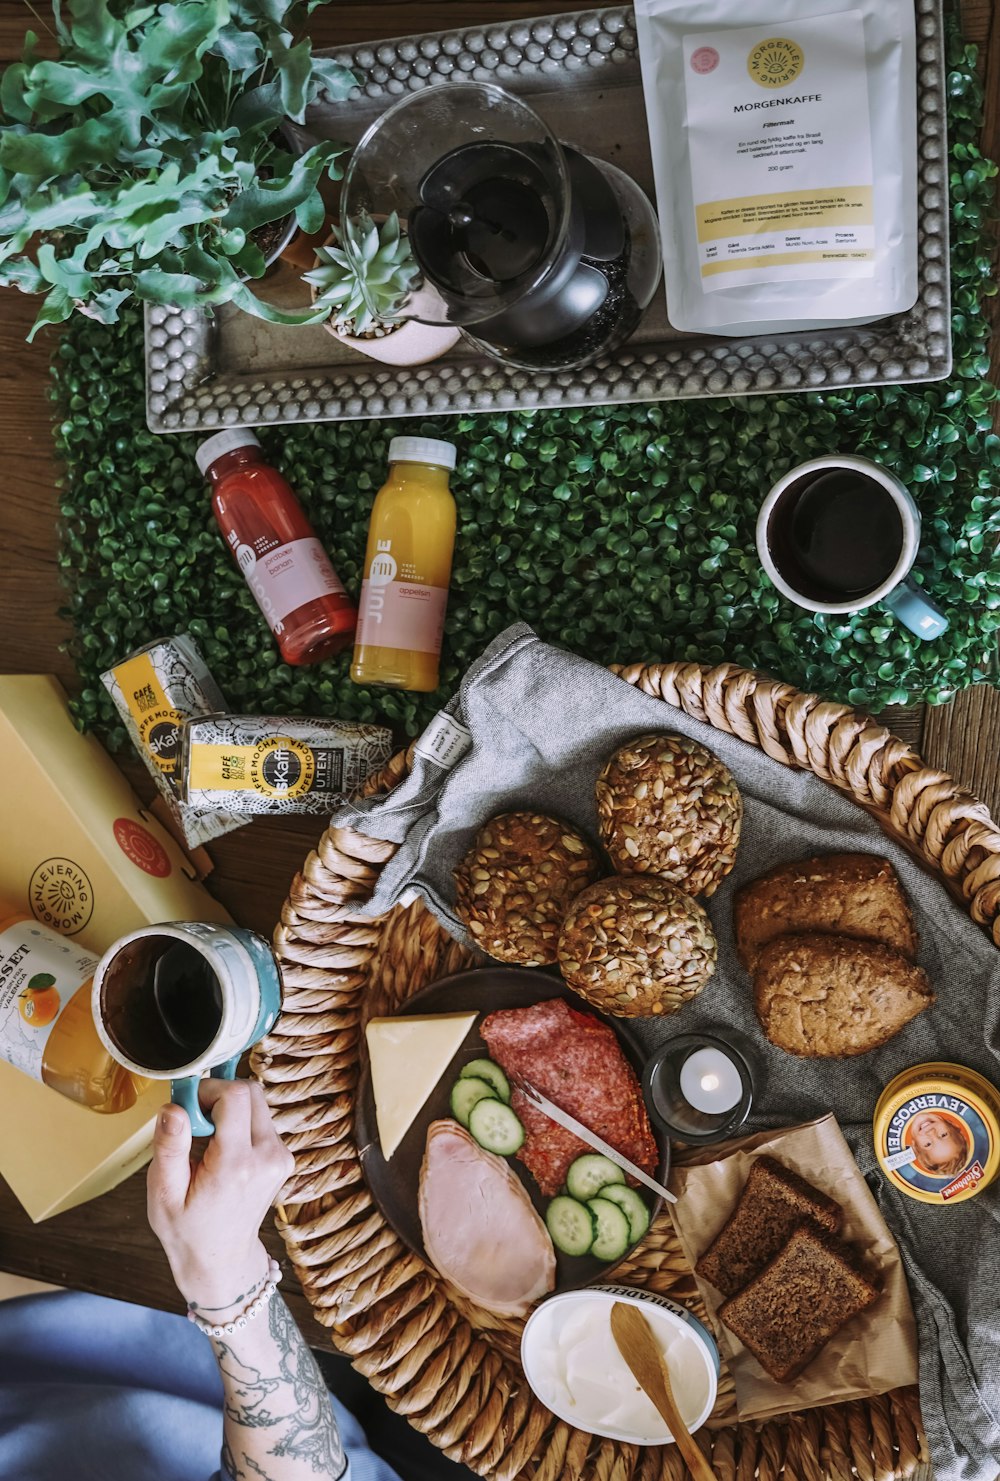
(531, 727)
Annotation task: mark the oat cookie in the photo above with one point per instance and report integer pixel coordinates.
(855, 895)
(830, 997)
(636, 945)
(667, 806)
(515, 884)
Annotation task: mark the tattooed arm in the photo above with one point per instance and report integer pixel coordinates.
(278, 1420)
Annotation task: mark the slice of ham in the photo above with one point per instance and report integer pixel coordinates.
(481, 1231)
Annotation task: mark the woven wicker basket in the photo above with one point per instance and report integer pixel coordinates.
(451, 1368)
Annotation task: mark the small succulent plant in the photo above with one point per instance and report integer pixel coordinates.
(364, 286)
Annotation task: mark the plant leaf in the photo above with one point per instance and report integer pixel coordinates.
(294, 68)
(55, 310)
(332, 78)
(247, 300)
(94, 142)
(181, 33)
(269, 200)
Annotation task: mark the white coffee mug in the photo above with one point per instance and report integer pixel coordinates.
(899, 593)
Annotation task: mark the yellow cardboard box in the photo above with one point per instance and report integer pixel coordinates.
(79, 853)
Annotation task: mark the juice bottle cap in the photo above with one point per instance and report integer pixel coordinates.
(422, 450)
(223, 442)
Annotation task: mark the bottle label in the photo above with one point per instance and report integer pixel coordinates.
(402, 614)
(285, 577)
(39, 974)
(277, 767)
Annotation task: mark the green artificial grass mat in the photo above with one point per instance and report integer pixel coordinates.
(625, 533)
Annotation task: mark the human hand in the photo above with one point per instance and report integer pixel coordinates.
(207, 1214)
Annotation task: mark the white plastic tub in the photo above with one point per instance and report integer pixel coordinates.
(574, 1367)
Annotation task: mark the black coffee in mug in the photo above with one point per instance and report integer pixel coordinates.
(835, 535)
(161, 1003)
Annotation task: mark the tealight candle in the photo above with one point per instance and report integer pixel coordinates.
(710, 1081)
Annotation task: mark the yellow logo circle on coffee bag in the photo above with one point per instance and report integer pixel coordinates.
(775, 62)
(282, 767)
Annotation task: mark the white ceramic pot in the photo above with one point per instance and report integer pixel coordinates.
(412, 343)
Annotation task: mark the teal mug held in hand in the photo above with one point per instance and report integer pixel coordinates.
(183, 999)
(841, 533)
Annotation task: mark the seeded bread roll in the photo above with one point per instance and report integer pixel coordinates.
(825, 997)
(855, 895)
(788, 1314)
(667, 806)
(516, 883)
(635, 946)
(773, 1202)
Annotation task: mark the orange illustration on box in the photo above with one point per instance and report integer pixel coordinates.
(38, 1004)
(940, 1143)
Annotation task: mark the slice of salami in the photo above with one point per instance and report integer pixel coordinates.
(577, 1062)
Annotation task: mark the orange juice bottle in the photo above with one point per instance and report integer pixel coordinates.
(407, 568)
(46, 1023)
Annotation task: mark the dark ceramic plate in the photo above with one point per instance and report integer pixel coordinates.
(395, 1183)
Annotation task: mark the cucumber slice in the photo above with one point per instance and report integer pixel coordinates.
(590, 1173)
(485, 1069)
(494, 1125)
(612, 1238)
(467, 1093)
(571, 1225)
(633, 1206)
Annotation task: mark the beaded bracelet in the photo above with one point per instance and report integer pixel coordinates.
(249, 1313)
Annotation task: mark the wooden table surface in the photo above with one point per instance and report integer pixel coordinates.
(106, 1246)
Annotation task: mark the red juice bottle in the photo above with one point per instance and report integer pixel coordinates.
(285, 566)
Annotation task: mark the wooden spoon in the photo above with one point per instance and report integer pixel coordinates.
(635, 1341)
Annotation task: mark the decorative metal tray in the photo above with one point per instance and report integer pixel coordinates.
(581, 72)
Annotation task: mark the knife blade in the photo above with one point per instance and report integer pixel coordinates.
(570, 1123)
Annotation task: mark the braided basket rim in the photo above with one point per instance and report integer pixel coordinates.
(457, 1379)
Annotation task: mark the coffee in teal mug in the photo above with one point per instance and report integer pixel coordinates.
(183, 999)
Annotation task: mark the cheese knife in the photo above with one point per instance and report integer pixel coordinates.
(570, 1123)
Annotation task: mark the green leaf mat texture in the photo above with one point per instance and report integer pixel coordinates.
(625, 533)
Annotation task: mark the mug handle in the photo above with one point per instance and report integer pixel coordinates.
(916, 610)
(185, 1093)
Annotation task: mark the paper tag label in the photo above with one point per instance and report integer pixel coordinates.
(780, 145)
(900, 1159)
(445, 741)
(38, 976)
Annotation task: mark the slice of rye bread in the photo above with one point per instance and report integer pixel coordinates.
(811, 1289)
(774, 1200)
(832, 997)
(856, 895)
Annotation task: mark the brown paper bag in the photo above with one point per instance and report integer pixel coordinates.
(875, 1352)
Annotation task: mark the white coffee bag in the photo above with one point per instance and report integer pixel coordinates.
(784, 144)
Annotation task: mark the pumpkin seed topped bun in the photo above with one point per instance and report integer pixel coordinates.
(516, 883)
(636, 946)
(667, 806)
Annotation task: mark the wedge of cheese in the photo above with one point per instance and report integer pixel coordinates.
(408, 1057)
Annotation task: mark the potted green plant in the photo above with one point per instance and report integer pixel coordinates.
(368, 287)
(147, 161)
